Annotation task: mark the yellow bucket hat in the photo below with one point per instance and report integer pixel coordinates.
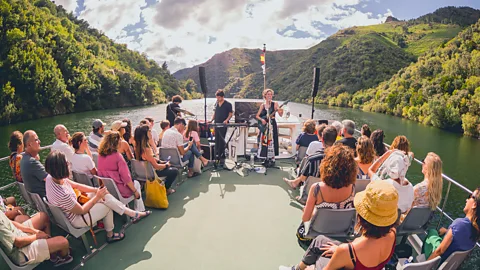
(378, 203)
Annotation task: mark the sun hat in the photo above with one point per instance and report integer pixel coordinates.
(97, 123)
(117, 125)
(378, 203)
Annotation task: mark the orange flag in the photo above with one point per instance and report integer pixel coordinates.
(262, 58)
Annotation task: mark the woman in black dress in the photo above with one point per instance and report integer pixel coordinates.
(269, 107)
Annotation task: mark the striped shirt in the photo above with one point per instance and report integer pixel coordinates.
(312, 166)
(61, 196)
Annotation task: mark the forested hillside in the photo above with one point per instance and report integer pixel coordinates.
(442, 89)
(353, 59)
(52, 63)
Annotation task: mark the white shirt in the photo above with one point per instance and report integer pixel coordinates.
(314, 147)
(172, 138)
(82, 163)
(155, 136)
(66, 149)
(405, 194)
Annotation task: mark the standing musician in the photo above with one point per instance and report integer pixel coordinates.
(269, 107)
(222, 114)
(173, 109)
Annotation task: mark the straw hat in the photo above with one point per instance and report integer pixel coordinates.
(378, 203)
(117, 125)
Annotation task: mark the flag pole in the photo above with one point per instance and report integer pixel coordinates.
(264, 67)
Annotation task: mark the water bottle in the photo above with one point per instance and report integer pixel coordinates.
(252, 159)
(409, 260)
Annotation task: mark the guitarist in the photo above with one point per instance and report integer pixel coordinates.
(269, 108)
(222, 114)
(173, 109)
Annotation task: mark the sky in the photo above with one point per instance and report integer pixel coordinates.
(185, 33)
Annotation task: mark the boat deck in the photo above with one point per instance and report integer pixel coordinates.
(218, 220)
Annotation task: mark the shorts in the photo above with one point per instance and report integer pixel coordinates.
(36, 252)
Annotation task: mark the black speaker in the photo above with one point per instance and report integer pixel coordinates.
(316, 80)
(203, 81)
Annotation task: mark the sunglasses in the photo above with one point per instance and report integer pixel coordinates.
(471, 196)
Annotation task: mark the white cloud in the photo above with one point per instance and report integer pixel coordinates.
(188, 32)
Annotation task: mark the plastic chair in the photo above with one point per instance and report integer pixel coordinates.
(62, 222)
(301, 153)
(112, 188)
(25, 195)
(40, 205)
(175, 158)
(306, 188)
(142, 170)
(414, 223)
(332, 223)
(361, 185)
(95, 158)
(82, 178)
(14, 266)
(455, 260)
(427, 265)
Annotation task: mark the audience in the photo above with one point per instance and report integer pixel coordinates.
(338, 126)
(95, 137)
(316, 146)
(151, 124)
(9, 207)
(366, 131)
(392, 167)
(377, 141)
(164, 125)
(112, 165)
(60, 192)
(16, 148)
(347, 133)
(143, 152)
(401, 143)
(173, 138)
(30, 242)
(128, 135)
(308, 135)
(62, 142)
(461, 235)
(124, 148)
(82, 161)
(312, 166)
(192, 132)
(428, 193)
(365, 156)
(151, 142)
(338, 172)
(33, 172)
(376, 215)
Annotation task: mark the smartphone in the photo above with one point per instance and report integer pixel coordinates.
(100, 182)
(190, 139)
(168, 158)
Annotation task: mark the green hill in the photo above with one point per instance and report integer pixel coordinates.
(353, 59)
(52, 63)
(442, 89)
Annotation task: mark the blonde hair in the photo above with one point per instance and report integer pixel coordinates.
(265, 92)
(433, 172)
(109, 144)
(401, 143)
(365, 150)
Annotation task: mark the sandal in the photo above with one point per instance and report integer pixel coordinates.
(115, 237)
(194, 174)
(170, 191)
(137, 218)
(289, 183)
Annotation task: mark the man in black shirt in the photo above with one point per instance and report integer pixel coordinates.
(222, 114)
(173, 109)
(348, 131)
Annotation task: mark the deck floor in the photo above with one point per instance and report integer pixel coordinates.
(218, 220)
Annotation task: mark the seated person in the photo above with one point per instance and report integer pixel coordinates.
(428, 193)
(402, 143)
(316, 146)
(30, 242)
(98, 130)
(461, 235)
(152, 143)
(339, 127)
(124, 148)
(377, 141)
(312, 165)
(173, 138)
(9, 207)
(128, 136)
(62, 142)
(308, 135)
(60, 192)
(33, 172)
(164, 125)
(112, 165)
(365, 156)
(192, 132)
(82, 161)
(376, 215)
(151, 124)
(338, 172)
(393, 169)
(16, 148)
(347, 133)
(144, 152)
(365, 131)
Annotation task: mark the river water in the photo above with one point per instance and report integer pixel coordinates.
(459, 154)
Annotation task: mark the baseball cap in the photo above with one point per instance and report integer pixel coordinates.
(97, 123)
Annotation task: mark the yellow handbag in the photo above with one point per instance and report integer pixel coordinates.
(156, 194)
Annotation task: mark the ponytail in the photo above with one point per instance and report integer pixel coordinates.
(476, 217)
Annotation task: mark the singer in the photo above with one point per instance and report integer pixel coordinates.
(222, 114)
(268, 110)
